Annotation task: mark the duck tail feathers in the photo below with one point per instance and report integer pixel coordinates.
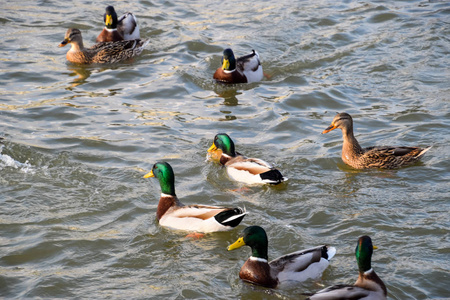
(231, 217)
(328, 252)
(424, 151)
(272, 176)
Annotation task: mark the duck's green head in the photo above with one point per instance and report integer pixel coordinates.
(228, 60)
(223, 142)
(363, 253)
(110, 17)
(164, 172)
(254, 237)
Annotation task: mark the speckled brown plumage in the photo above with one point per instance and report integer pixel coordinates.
(111, 52)
(385, 157)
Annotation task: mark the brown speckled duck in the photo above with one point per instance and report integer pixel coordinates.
(118, 29)
(368, 286)
(245, 69)
(384, 157)
(111, 52)
(294, 267)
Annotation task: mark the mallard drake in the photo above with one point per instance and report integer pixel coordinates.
(245, 69)
(368, 286)
(241, 168)
(111, 52)
(200, 218)
(297, 266)
(384, 157)
(124, 28)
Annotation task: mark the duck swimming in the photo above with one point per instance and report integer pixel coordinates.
(200, 218)
(385, 157)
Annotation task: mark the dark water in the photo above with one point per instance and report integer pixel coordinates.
(77, 218)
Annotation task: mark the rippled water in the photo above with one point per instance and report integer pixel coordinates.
(77, 218)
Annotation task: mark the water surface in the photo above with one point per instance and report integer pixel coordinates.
(78, 220)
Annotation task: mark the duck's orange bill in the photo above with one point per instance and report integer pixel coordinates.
(63, 43)
(331, 127)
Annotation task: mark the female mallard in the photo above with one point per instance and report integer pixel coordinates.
(296, 266)
(241, 168)
(245, 69)
(111, 52)
(373, 157)
(368, 286)
(124, 28)
(172, 213)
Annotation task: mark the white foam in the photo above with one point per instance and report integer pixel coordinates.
(8, 161)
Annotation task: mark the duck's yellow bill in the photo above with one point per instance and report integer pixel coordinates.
(108, 20)
(149, 174)
(226, 64)
(329, 128)
(212, 148)
(238, 244)
(375, 247)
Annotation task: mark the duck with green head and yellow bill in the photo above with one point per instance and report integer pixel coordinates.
(294, 267)
(384, 157)
(102, 53)
(241, 168)
(368, 286)
(245, 69)
(118, 29)
(199, 218)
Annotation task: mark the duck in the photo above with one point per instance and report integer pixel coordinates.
(110, 52)
(241, 168)
(384, 157)
(294, 267)
(368, 286)
(173, 214)
(245, 69)
(118, 29)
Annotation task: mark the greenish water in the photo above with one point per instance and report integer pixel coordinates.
(77, 218)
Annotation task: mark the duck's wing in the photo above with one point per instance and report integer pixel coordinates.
(128, 27)
(300, 260)
(202, 218)
(248, 62)
(198, 211)
(113, 52)
(253, 165)
(392, 157)
(340, 292)
(395, 151)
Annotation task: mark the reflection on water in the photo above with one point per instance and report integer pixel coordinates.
(229, 95)
(82, 73)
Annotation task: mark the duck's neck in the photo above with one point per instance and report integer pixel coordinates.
(369, 280)
(350, 145)
(165, 202)
(224, 158)
(78, 54)
(260, 252)
(77, 46)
